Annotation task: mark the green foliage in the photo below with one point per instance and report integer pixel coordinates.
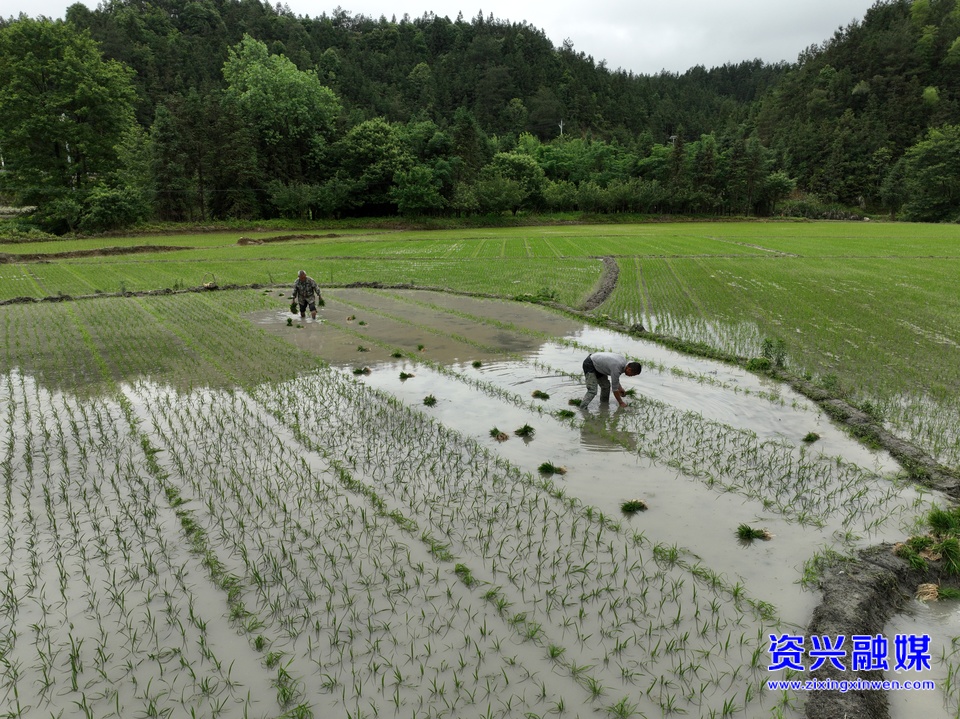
(944, 522)
(292, 112)
(371, 155)
(106, 208)
(63, 111)
(759, 364)
(931, 176)
(417, 191)
(774, 350)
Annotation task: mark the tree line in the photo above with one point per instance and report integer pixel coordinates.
(189, 110)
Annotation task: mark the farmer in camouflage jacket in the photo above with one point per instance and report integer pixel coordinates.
(303, 291)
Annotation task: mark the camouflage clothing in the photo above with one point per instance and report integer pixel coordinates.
(305, 289)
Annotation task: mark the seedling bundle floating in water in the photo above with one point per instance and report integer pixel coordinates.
(632, 506)
(747, 533)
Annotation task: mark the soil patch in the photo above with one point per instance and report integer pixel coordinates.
(7, 258)
(608, 283)
(283, 238)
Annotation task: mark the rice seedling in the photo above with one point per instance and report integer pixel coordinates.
(476, 364)
(421, 348)
(540, 394)
(362, 348)
(289, 322)
(429, 400)
(404, 376)
(574, 402)
(499, 435)
(361, 370)
(565, 414)
(396, 354)
(549, 468)
(747, 533)
(464, 574)
(810, 437)
(525, 431)
(631, 506)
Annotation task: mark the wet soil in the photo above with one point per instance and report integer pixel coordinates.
(606, 286)
(284, 238)
(7, 258)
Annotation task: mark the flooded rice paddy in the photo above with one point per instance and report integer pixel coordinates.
(333, 546)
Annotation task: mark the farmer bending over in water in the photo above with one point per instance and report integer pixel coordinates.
(599, 368)
(303, 291)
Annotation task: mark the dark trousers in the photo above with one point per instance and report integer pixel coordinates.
(594, 381)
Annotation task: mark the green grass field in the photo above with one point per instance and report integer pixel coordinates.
(870, 311)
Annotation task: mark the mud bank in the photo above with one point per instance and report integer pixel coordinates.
(860, 597)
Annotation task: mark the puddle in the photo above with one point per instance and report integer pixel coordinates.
(941, 621)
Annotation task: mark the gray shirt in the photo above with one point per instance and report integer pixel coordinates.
(611, 365)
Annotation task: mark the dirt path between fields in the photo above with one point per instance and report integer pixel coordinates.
(7, 258)
(606, 286)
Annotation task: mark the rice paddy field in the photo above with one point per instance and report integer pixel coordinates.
(212, 508)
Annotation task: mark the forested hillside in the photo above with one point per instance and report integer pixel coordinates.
(209, 109)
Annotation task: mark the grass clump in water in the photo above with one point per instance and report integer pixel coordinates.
(465, 575)
(498, 435)
(631, 506)
(551, 468)
(746, 533)
(526, 431)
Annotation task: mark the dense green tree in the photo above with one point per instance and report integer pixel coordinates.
(496, 194)
(291, 110)
(417, 191)
(528, 175)
(370, 156)
(63, 111)
(344, 113)
(931, 177)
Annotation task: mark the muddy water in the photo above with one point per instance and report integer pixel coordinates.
(603, 467)
(941, 621)
(602, 473)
